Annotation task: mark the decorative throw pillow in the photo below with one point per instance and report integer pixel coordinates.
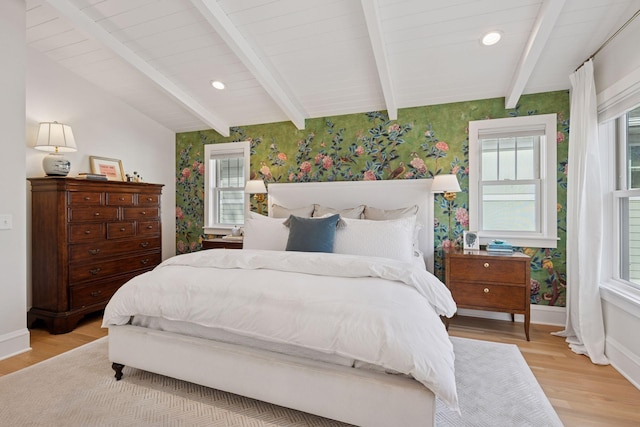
(278, 211)
(385, 214)
(388, 239)
(312, 234)
(355, 213)
(262, 232)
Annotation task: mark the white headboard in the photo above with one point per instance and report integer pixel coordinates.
(386, 194)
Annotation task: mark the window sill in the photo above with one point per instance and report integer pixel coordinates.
(521, 241)
(219, 230)
(621, 294)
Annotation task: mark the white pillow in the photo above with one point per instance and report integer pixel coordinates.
(388, 239)
(278, 211)
(262, 232)
(355, 213)
(384, 214)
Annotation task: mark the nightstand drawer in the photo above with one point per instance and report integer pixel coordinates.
(493, 269)
(472, 295)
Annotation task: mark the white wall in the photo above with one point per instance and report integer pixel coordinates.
(14, 336)
(102, 126)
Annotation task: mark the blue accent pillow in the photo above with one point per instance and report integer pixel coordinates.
(312, 234)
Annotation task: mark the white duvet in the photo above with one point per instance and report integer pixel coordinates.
(373, 310)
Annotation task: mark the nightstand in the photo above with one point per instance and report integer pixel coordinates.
(221, 244)
(482, 281)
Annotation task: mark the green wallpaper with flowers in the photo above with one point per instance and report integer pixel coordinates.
(423, 142)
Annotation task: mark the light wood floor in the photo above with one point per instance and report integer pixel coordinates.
(582, 394)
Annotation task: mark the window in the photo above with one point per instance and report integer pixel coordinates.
(512, 180)
(628, 195)
(226, 172)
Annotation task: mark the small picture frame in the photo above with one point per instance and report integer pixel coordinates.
(470, 240)
(112, 168)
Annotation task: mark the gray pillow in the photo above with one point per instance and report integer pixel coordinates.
(385, 214)
(278, 211)
(354, 213)
(312, 234)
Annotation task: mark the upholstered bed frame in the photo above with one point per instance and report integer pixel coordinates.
(355, 396)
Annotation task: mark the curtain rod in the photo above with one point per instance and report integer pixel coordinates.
(606, 42)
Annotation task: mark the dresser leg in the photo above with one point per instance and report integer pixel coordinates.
(526, 326)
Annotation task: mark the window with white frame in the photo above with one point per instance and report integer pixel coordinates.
(628, 195)
(513, 180)
(226, 173)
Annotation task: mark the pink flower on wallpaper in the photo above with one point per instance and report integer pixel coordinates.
(266, 172)
(318, 158)
(300, 175)
(442, 146)
(201, 168)
(560, 136)
(394, 128)
(179, 213)
(291, 176)
(305, 167)
(180, 246)
(282, 156)
(360, 150)
(408, 175)
(462, 217)
(419, 164)
(327, 162)
(455, 169)
(369, 176)
(447, 244)
(186, 172)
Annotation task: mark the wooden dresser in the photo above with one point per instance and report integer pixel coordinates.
(88, 239)
(482, 281)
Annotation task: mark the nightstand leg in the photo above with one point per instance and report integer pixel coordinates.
(513, 317)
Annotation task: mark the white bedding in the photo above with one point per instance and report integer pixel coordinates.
(373, 310)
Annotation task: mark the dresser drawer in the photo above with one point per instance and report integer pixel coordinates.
(97, 292)
(86, 232)
(85, 198)
(93, 214)
(120, 199)
(491, 269)
(148, 228)
(477, 295)
(119, 230)
(101, 269)
(141, 213)
(98, 250)
(148, 200)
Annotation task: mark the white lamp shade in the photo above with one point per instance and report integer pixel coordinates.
(55, 137)
(255, 186)
(445, 184)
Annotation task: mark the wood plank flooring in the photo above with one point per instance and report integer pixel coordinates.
(582, 394)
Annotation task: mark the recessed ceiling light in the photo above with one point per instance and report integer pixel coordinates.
(491, 38)
(217, 84)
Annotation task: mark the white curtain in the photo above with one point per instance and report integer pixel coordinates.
(584, 328)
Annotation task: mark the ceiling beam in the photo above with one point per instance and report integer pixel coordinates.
(86, 24)
(221, 23)
(374, 27)
(549, 13)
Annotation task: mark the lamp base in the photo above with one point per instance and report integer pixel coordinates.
(55, 164)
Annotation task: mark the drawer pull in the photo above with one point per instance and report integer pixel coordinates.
(143, 213)
(87, 198)
(144, 244)
(95, 271)
(144, 261)
(87, 231)
(149, 227)
(94, 251)
(149, 199)
(121, 199)
(96, 214)
(486, 290)
(486, 265)
(122, 229)
(95, 293)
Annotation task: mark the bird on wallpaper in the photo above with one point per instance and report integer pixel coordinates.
(397, 172)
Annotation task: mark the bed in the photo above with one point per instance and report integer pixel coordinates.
(351, 337)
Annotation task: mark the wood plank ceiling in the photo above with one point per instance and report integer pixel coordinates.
(288, 60)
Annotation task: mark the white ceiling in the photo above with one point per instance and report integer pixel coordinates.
(287, 60)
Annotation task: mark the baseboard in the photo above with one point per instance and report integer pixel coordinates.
(14, 343)
(624, 361)
(540, 314)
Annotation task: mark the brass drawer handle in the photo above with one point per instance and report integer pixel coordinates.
(95, 271)
(87, 198)
(87, 231)
(486, 290)
(96, 214)
(149, 199)
(94, 251)
(144, 244)
(149, 227)
(143, 213)
(121, 199)
(122, 229)
(96, 293)
(486, 265)
(144, 261)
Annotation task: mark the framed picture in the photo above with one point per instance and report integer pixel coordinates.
(112, 168)
(471, 240)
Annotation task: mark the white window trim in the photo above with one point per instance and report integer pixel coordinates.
(210, 150)
(548, 235)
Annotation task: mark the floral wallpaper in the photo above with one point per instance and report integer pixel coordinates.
(421, 143)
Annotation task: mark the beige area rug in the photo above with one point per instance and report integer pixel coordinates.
(495, 388)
